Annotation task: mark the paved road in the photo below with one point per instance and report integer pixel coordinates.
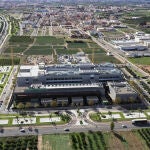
(15, 131)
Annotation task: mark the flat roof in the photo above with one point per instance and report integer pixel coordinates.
(58, 86)
(63, 69)
(122, 87)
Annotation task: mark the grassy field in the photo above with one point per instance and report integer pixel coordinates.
(137, 13)
(140, 60)
(134, 23)
(39, 50)
(21, 39)
(50, 44)
(100, 58)
(15, 49)
(4, 61)
(93, 50)
(67, 51)
(126, 30)
(93, 45)
(77, 45)
(113, 33)
(117, 140)
(49, 40)
(56, 142)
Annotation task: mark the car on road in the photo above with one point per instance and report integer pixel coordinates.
(66, 129)
(124, 126)
(30, 129)
(22, 130)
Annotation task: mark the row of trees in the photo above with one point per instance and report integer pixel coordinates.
(14, 25)
(52, 103)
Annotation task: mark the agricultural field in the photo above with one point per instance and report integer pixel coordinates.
(19, 143)
(7, 61)
(137, 13)
(39, 50)
(127, 30)
(120, 140)
(77, 44)
(145, 134)
(138, 23)
(67, 51)
(49, 40)
(18, 44)
(93, 50)
(113, 33)
(102, 57)
(49, 45)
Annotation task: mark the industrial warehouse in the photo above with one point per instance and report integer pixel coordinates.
(69, 83)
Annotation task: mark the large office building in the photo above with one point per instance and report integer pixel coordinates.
(35, 83)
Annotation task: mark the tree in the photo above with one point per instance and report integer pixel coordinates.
(110, 113)
(50, 116)
(90, 102)
(28, 105)
(99, 116)
(36, 105)
(117, 100)
(140, 111)
(64, 103)
(53, 103)
(20, 106)
(112, 125)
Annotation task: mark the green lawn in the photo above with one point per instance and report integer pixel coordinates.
(140, 60)
(100, 58)
(39, 50)
(57, 142)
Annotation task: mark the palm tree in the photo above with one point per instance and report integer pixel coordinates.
(140, 111)
(50, 116)
(99, 115)
(112, 125)
(110, 114)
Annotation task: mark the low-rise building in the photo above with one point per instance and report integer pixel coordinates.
(121, 92)
(44, 83)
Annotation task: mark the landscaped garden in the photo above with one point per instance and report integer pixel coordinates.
(28, 119)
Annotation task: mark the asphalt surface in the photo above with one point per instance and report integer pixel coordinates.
(15, 131)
